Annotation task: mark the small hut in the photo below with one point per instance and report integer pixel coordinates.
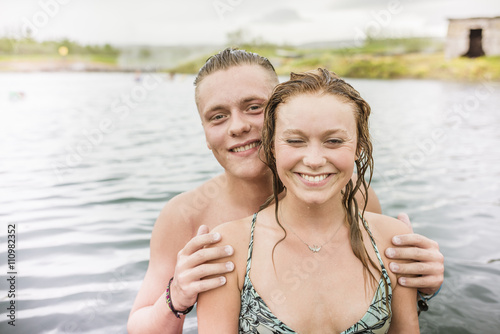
(473, 37)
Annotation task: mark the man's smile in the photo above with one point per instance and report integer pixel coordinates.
(245, 147)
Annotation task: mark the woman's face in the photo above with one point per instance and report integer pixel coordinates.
(315, 146)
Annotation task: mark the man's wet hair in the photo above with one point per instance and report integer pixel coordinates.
(230, 57)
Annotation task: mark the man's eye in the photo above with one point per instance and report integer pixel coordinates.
(255, 108)
(217, 117)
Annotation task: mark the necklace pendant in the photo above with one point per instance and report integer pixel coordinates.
(314, 248)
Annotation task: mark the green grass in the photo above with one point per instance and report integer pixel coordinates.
(32, 52)
(363, 65)
(103, 59)
(190, 67)
(377, 58)
(193, 66)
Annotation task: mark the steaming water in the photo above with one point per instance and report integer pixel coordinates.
(88, 160)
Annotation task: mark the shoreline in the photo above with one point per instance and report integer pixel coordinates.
(53, 64)
(368, 66)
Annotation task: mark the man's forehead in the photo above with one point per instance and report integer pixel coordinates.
(245, 74)
(235, 85)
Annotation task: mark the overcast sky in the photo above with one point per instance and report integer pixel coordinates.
(186, 22)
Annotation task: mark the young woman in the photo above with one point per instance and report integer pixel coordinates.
(312, 261)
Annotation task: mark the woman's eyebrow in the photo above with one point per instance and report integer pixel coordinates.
(326, 133)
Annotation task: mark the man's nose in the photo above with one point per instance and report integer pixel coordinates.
(238, 124)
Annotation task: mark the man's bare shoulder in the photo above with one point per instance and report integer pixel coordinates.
(191, 208)
(181, 217)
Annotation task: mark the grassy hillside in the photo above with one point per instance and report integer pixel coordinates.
(375, 58)
(29, 54)
(383, 59)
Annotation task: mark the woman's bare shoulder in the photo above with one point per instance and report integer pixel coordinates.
(235, 228)
(235, 233)
(384, 227)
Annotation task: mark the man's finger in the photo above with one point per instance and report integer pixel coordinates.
(210, 270)
(416, 268)
(405, 219)
(411, 254)
(209, 284)
(203, 229)
(414, 240)
(200, 241)
(207, 254)
(421, 282)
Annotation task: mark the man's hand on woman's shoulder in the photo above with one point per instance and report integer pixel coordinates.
(427, 266)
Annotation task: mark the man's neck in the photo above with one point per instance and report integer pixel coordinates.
(249, 193)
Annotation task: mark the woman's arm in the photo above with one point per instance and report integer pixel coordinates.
(404, 311)
(218, 309)
(403, 305)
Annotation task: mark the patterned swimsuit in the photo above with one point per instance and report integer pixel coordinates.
(256, 317)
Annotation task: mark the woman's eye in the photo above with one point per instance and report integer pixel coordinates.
(335, 141)
(294, 141)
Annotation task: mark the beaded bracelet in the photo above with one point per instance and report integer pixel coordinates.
(422, 303)
(171, 306)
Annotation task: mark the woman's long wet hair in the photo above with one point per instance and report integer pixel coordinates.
(323, 82)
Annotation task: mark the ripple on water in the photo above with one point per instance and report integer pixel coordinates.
(84, 222)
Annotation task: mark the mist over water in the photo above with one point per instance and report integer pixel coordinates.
(87, 161)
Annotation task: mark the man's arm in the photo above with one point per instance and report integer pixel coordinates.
(174, 254)
(373, 204)
(428, 265)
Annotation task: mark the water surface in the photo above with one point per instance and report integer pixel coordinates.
(87, 161)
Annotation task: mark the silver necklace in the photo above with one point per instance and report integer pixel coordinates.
(313, 248)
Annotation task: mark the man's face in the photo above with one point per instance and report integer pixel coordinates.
(231, 105)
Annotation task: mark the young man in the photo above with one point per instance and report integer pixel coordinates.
(231, 92)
